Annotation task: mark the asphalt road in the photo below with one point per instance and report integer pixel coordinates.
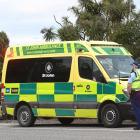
(79, 130)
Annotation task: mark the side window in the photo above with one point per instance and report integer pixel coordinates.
(97, 74)
(85, 66)
(18, 70)
(39, 70)
(89, 70)
(51, 70)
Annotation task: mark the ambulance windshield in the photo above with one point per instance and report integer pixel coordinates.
(117, 66)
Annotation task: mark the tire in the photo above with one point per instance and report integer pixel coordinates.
(110, 116)
(25, 116)
(65, 121)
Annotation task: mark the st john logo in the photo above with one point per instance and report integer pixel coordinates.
(48, 67)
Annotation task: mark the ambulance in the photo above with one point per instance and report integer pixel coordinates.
(67, 80)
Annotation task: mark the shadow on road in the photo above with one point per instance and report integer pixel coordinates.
(81, 125)
(76, 126)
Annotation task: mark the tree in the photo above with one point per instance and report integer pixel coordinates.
(68, 31)
(129, 35)
(95, 20)
(4, 44)
(90, 22)
(111, 20)
(48, 34)
(116, 13)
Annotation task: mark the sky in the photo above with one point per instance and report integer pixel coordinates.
(22, 20)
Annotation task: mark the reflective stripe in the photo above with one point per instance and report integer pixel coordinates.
(136, 82)
(64, 112)
(45, 88)
(51, 96)
(65, 48)
(69, 48)
(67, 105)
(63, 98)
(28, 88)
(28, 98)
(135, 89)
(49, 112)
(17, 50)
(10, 111)
(89, 113)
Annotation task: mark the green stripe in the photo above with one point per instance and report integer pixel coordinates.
(80, 46)
(82, 98)
(113, 51)
(45, 98)
(17, 50)
(28, 88)
(43, 49)
(137, 80)
(107, 45)
(121, 97)
(47, 51)
(109, 88)
(99, 88)
(11, 98)
(96, 51)
(69, 47)
(63, 88)
(64, 112)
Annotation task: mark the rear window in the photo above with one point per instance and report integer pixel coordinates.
(39, 70)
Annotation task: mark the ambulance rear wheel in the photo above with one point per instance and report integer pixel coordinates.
(25, 116)
(66, 121)
(110, 116)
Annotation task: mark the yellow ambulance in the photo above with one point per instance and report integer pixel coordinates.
(67, 80)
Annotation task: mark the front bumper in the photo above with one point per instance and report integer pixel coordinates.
(126, 111)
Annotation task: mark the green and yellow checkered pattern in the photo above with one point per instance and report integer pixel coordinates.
(77, 94)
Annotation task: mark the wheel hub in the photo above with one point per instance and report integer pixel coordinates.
(110, 116)
(24, 116)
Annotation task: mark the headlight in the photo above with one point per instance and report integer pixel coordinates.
(124, 90)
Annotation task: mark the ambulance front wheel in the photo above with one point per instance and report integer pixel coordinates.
(25, 116)
(65, 121)
(110, 116)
